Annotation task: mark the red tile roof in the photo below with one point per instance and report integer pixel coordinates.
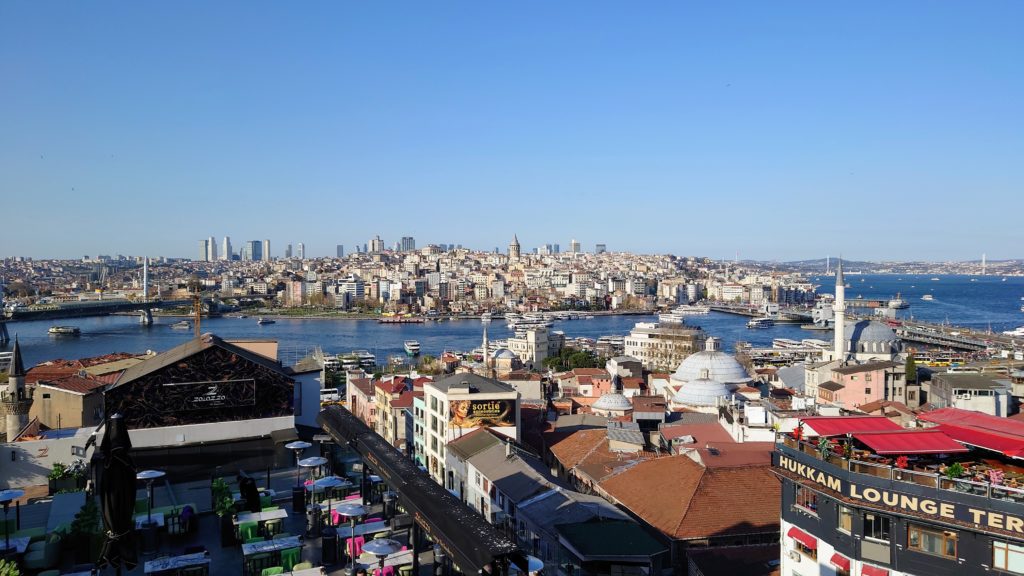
(74, 383)
(685, 500)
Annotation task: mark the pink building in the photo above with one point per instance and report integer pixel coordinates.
(854, 385)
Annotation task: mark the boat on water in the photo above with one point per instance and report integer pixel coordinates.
(935, 279)
(677, 315)
(182, 325)
(486, 317)
(785, 343)
(898, 303)
(65, 330)
(263, 320)
(1016, 332)
(928, 297)
(763, 322)
(242, 316)
(412, 348)
(366, 359)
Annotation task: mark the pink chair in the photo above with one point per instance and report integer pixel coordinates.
(352, 497)
(335, 517)
(404, 548)
(348, 547)
(374, 519)
(360, 542)
(389, 571)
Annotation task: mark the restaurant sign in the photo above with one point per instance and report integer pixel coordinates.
(181, 396)
(473, 413)
(902, 501)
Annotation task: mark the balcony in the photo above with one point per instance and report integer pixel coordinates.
(971, 482)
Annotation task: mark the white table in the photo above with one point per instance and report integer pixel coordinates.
(317, 571)
(345, 531)
(260, 516)
(176, 562)
(20, 544)
(270, 545)
(370, 561)
(141, 519)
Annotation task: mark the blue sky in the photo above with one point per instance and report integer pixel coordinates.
(778, 130)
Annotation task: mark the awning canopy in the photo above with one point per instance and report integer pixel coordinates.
(803, 538)
(929, 441)
(869, 570)
(840, 561)
(978, 429)
(842, 425)
(1009, 446)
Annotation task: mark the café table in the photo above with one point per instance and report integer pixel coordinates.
(369, 561)
(261, 516)
(176, 562)
(270, 545)
(363, 529)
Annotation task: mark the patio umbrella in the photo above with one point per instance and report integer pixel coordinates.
(117, 497)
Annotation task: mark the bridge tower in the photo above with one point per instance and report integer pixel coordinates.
(15, 400)
(146, 319)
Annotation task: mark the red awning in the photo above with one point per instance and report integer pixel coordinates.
(929, 441)
(1009, 445)
(840, 561)
(869, 570)
(842, 425)
(803, 538)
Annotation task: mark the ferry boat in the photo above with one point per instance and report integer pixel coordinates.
(815, 343)
(763, 322)
(65, 330)
(679, 312)
(785, 343)
(898, 303)
(928, 297)
(486, 317)
(412, 348)
(366, 359)
(1016, 332)
(348, 362)
(182, 325)
(263, 320)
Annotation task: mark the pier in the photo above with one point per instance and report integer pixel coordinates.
(785, 315)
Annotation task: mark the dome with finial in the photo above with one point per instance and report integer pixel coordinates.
(721, 367)
(871, 337)
(701, 391)
(612, 402)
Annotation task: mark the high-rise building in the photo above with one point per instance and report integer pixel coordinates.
(600, 249)
(266, 250)
(574, 246)
(555, 248)
(288, 251)
(376, 245)
(226, 252)
(211, 246)
(340, 251)
(204, 250)
(252, 251)
(301, 251)
(408, 244)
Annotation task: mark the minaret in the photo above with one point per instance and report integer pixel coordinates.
(487, 355)
(839, 308)
(15, 401)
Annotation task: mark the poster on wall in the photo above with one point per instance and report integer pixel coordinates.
(186, 396)
(489, 413)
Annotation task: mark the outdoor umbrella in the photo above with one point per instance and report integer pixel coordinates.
(117, 497)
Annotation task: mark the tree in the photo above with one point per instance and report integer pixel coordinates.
(911, 368)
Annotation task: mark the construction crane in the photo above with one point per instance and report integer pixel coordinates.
(195, 288)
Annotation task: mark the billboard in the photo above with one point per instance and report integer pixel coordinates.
(188, 396)
(489, 413)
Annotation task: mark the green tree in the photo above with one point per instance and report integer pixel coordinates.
(911, 367)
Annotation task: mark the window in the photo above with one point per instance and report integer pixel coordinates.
(876, 527)
(931, 541)
(844, 522)
(911, 395)
(867, 377)
(1008, 557)
(807, 500)
(806, 551)
(867, 390)
(46, 396)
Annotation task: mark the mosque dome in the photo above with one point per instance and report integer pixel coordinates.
(612, 401)
(721, 367)
(701, 391)
(504, 354)
(871, 337)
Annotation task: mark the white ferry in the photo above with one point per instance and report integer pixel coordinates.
(927, 297)
(898, 303)
(64, 330)
(366, 359)
(263, 321)
(182, 325)
(412, 348)
(763, 322)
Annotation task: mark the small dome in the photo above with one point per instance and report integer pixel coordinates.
(720, 366)
(504, 354)
(612, 401)
(702, 391)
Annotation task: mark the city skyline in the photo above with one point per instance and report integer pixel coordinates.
(774, 132)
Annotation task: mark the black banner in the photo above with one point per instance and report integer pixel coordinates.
(189, 396)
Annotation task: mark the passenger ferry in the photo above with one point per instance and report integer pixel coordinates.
(927, 297)
(366, 359)
(898, 303)
(263, 320)
(64, 330)
(182, 325)
(763, 322)
(412, 348)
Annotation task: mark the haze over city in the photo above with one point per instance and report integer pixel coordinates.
(883, 131)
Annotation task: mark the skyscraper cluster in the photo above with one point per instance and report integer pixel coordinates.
(252, 250)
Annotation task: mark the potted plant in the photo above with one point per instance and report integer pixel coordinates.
(824, 448)
(224, 507)
(954, 471)
(86, 533)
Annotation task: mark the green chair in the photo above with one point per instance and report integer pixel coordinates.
(269, 508)
(257, 562)
(272, 527)
(302, 566)
(272, 571)
(265, 501)
(247, 530)
(290, 557)
(405, 570)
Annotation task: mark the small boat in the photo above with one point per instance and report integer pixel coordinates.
(935, 279)
(412, 348)
(928, 297)
(898, 303)
(763, 322)
(182, 325)
(65, 330)
(243, 315)
(263, 320)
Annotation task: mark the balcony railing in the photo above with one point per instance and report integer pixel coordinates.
(921, 478)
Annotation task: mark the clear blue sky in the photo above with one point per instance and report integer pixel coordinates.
(779, 130)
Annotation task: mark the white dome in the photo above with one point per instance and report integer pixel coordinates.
(871, 337)
(504, 354)
(701, 392)
(721, 367)
(612, 401)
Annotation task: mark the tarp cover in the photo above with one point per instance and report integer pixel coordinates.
(474, 544)
(929, 441)
(842, 425)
